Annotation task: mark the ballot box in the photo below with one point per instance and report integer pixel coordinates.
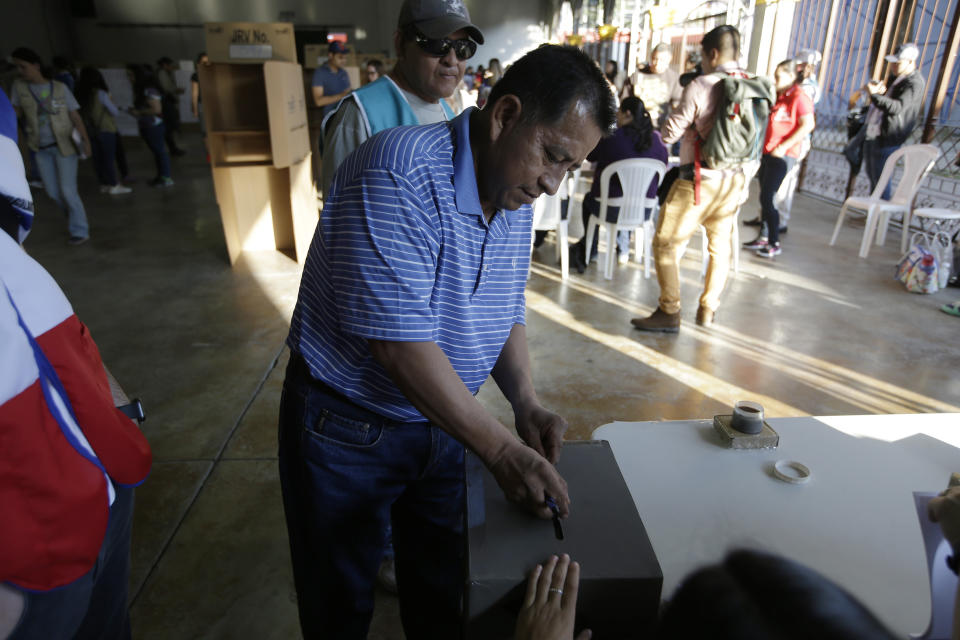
(620, 578)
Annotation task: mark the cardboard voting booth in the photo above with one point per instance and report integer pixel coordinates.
(260, 155)
(620, 578)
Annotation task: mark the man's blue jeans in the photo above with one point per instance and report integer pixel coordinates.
(874, 157)
(771, 174)
(93, 607)
(59, 175)
(345, 473)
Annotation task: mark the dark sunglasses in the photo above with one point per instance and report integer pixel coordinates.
(464, 49)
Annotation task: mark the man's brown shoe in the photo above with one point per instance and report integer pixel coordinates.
(704, 317)
(659, 321)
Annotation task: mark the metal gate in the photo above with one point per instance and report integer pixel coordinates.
(854, 36)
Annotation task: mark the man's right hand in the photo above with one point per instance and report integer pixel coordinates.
(945, 509)
(526, 476)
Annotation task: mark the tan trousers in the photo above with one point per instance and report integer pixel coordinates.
(679, 220)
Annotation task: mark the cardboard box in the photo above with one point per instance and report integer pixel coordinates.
(263, 208)
(260, 155)
(287, 111)
(250, 42)
(314, 55)
(620, 577)
(259, 113)
(354, 74)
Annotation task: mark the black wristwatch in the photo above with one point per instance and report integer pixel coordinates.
(134, 410)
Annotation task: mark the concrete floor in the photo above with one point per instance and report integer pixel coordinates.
(815, 331)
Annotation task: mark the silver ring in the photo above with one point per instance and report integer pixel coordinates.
(791, 471)
(555, 590)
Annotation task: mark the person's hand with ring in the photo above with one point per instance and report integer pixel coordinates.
(550, 604)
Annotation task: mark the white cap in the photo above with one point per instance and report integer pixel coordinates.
(906, 51)
(808, 56)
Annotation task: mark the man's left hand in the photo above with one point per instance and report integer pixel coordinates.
(542, 430)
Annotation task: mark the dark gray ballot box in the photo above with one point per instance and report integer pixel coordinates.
(620, 578)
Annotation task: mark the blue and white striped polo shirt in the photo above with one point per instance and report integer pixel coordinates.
(403, 253)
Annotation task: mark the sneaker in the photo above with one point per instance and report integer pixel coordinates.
(118, 189)
(783, 229)
(757, 243)
(756, 222)
(162, 182)
(952, 308)
(659, 321)
(770, 250)
(105, 188)
(77, 240)
(623, 258)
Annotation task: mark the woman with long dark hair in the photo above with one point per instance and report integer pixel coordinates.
(617, 78)
(791, 119)
(99, 113)
(50, 115)
(635, 137)
(148, 109)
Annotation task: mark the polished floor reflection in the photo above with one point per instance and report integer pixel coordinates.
(814, 331)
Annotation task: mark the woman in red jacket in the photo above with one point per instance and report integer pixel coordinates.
(791, 119)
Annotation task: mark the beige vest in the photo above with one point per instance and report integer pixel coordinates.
(59, 120)
(101, 120)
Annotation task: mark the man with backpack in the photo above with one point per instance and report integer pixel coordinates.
(721, 121)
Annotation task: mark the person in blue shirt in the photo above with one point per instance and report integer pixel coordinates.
(412, 296)
(433, 41)
(330, 81)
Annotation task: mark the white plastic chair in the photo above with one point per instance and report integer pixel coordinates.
(635, 175)
(546, 217)
(918, 159)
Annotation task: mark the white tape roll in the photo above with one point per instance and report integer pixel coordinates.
(791, 471)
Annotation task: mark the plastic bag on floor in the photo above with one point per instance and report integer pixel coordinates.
(925, 268)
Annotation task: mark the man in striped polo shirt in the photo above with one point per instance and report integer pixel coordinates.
(412, 294)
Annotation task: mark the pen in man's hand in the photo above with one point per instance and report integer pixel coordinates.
(552, 504)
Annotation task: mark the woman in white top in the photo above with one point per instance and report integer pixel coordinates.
(100, 113)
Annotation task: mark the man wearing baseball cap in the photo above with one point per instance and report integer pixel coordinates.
(434, 39)
(894, 111)
(807, 61)
(330, 81)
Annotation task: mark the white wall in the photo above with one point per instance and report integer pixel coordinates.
(510, 27)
